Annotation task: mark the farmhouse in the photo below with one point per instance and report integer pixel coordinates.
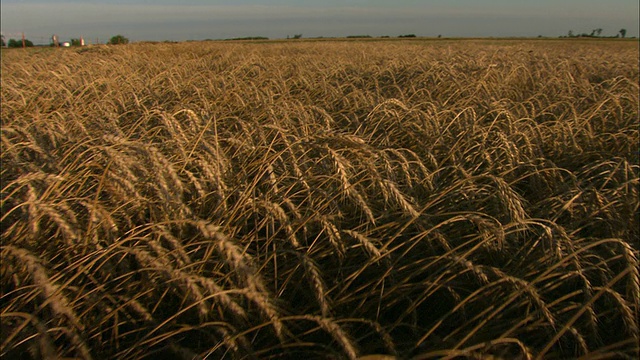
(55, 40)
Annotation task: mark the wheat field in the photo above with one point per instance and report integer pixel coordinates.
(321, 200)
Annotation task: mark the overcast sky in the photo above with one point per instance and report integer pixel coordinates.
(200, 19)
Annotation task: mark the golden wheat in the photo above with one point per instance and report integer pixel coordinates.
(321, 199)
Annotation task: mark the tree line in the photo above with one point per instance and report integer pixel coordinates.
(13, 43)
(596, 33)
(120, 39)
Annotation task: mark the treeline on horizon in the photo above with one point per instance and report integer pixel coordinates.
(595, 33)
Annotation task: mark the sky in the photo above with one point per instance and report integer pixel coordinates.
(159, 20)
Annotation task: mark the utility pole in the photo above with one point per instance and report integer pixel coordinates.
(23, 42)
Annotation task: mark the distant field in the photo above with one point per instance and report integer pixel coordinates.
(321, 200)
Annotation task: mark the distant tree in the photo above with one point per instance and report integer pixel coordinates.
(598, 31)
(297, 36)
(623, 32)
(76, 42)
(118, 40)
(13, 43)
(570, 34)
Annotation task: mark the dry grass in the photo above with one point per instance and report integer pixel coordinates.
(467, 199)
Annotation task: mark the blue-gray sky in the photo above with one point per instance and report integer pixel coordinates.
(200, 19)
